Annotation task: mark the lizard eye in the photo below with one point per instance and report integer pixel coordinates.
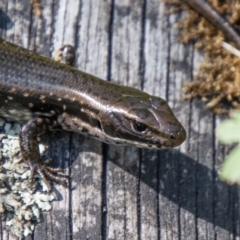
(139, 127)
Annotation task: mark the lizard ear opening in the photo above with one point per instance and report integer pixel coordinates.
(99, 125)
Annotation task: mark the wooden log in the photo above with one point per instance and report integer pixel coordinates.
(125, 192)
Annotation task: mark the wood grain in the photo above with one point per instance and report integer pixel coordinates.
(125, 192)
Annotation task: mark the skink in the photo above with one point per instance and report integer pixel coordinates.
(42, 94)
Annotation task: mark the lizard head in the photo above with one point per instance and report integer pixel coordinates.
(144, 121)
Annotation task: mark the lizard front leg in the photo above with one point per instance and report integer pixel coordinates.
(30, 153)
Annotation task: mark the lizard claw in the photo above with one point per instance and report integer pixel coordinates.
(47, 173)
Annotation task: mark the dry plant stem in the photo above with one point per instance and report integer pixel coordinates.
(231, 49)
(207, 11)
(218, 81)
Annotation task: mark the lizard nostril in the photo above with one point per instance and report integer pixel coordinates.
(172, 137)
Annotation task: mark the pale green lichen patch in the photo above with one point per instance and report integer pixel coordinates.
(21, 202)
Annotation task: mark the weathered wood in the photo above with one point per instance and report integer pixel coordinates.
(125, 192)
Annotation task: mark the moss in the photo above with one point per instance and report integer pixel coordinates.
(218, 81)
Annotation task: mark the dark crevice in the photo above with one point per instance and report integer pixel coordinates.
(235, 211)
(110, 41)
(158, 191)
(196, 197)
(179, 201)
(214, 174)
(30, 27)
(139, 195)
(1, 230)
(52, 28)
(168, 60)
(65, 15)
(12, 36)
(48, 228)
(88, 37)
(142, 44)
(125, 226)
(77, 27)
(104, 192)
(70, 187)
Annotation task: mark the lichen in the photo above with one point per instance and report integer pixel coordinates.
(21, 201)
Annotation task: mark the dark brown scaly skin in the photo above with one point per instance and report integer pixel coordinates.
(212, 16)
(42, 94)
(29, 149)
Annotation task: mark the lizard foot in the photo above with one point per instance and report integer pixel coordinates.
(47, 173)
